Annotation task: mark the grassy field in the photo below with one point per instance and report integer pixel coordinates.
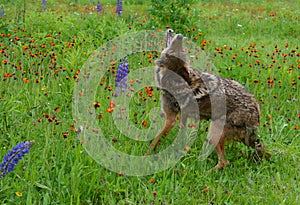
(43, 52)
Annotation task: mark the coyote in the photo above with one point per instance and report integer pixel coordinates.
(240, 118)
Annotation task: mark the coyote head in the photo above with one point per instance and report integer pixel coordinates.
(175, 49)
(174, 58)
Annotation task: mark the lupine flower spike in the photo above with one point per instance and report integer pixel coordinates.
(99, 7)
(13, 157)
(44, 3)
(119, 7)
(2, 12)
(121, 77)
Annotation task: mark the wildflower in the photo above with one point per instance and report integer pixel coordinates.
(149, 91)
(206, 189)
(19, 194)
(112, 106)
(99, 7)
(65, 134)
(13, 157)
(226, 192)
(120, 173)
(26, 80)
(119, 7)
(187, 148)
(72, 127)
(121, 77)
(144, 123)
(96, 104)
(2, 12)
(56, 109)
(114, 140)
(44, 3)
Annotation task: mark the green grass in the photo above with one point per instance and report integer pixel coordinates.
(255, 42)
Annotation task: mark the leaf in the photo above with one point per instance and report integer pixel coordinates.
(42, 186)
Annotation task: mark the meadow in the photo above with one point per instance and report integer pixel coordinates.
(43, 51)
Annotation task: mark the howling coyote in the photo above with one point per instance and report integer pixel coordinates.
(240, 118)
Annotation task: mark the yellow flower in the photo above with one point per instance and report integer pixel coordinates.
(19, 194)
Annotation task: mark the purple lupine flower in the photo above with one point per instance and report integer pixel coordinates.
(119, 7)
(121, 77)
(13, 157)
(2, 12)
(44, 3)
(99, 7)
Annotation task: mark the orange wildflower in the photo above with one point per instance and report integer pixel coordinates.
(120, 174)
(25, 80)
(8, 75)
(187, 148)
(65, 134)
(56, 109)
(144, 123)
(111, 106)
(96, 104)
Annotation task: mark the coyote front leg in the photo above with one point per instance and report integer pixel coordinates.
(170, 121)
